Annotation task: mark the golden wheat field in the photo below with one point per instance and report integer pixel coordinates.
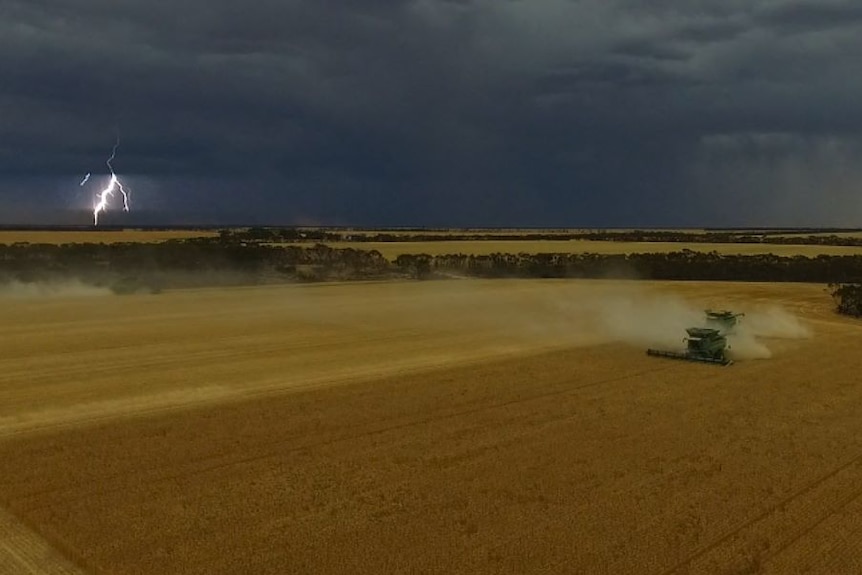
(391, 250)
(99, 236)
(507, 426)
(489, 232)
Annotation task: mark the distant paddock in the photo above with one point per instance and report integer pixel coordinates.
(99, 236)
(391, 250)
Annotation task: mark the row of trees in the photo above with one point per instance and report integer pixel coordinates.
(282, 235)
(208, 262)
(277, 235)
(683, 265)
(848, 298)
(186, 263)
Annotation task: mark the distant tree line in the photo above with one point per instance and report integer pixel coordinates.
(682, 265)
(214, 261)
(287, 235)
(848, 298)
(276, 235)
(184, 263)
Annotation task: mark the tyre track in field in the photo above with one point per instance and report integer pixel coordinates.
(271, 449)
(829, 493)
(24, 552)
(830, 512)
(849, 561)
(807, 557)
(431, 356)
(160, 356)
(421, 422)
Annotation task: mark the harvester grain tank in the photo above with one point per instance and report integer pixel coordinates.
(703, 344)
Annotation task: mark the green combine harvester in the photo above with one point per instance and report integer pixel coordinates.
(724, 321)
(703, 344)
(706, 344)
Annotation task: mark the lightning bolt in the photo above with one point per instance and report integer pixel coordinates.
(113, 185)
(84, 181)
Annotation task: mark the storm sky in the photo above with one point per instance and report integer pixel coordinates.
(541, 113)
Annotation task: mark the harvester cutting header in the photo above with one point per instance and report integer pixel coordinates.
(706, 344)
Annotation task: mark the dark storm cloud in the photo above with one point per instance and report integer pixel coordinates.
(470, 112)
(811, 15)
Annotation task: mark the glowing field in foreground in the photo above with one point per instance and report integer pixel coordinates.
(459, 427)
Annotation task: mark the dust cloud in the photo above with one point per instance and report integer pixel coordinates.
(50, 289)
(775, 321)
(772, 322)
(609, 312)
(511, 314)
(660, 320)
(642, 319)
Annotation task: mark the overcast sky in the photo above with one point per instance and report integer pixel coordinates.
(557, 113)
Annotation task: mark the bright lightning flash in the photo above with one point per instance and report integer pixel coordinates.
(113, 185)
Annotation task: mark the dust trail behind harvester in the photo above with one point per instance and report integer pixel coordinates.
(50, 289)
(643, 319)
(575, 314)
(604, 313)
(660, 320)
(530, 315)
(771, 322)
